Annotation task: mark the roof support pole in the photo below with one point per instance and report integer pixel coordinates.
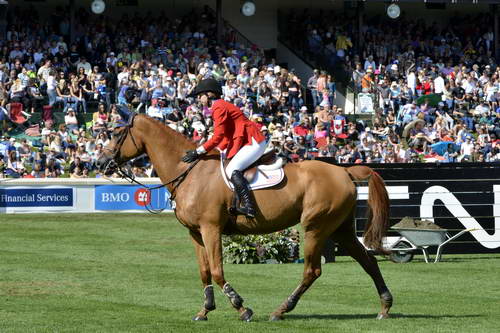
(218, 18)
(496, 53)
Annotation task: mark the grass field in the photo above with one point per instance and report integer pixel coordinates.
(138, 273)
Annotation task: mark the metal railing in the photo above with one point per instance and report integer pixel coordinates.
(321, 58)
(233, 35)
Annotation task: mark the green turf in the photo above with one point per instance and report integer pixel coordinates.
(138, 273)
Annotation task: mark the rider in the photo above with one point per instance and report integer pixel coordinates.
(241, 138)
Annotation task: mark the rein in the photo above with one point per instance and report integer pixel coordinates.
(124, 174)
(176, 182)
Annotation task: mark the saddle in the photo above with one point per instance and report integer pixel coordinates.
(268, 158)
(267, 171)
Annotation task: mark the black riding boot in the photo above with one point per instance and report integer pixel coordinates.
(243, 190)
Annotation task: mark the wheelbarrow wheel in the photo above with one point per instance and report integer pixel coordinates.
(400, 253)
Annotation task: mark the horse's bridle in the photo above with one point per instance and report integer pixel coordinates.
(112, 164)
(125, 174)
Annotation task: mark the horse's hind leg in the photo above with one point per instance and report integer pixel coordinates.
(206, 278)
(346, 237)
(313, 242)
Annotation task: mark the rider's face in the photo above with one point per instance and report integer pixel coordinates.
(203, 98)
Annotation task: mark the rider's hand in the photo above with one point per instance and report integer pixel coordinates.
(191, 156)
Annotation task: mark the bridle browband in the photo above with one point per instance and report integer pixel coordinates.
(130, 176)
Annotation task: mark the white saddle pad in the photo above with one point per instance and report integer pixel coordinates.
(263, 177)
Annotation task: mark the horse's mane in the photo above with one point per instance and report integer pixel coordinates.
(172, 133)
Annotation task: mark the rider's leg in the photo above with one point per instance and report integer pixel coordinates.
(243, 158)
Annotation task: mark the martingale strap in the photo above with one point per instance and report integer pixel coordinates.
(175, 182)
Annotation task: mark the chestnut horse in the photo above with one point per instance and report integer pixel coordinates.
(322, 197)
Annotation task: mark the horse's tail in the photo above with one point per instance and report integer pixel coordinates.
(378, 206)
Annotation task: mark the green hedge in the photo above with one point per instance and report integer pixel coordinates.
(279, 247)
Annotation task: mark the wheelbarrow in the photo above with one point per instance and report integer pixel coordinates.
(414, 239)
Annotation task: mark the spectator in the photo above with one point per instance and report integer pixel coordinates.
(63, 93)
(71, 121)
(15, 168)
(77, 96)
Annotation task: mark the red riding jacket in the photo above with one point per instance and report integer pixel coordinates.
(232, 130)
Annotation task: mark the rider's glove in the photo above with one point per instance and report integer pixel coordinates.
(191, 156)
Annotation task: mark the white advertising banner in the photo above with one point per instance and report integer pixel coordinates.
(365, 103)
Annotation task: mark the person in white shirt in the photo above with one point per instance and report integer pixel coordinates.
(44, 70)
(85, 64)
(155, 112)
(367, 134)
(111, 60)
(162, 72)
(481, 109)
(469, 85)
(466, 149)
(205, 70)
(278, 134)
(51, 87)
(124, 74)
(439, 84)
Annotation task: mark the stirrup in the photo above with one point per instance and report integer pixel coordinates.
(248, 212)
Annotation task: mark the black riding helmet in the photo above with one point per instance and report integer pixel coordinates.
(207, 85)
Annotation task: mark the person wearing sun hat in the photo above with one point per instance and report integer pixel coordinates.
(240, 137)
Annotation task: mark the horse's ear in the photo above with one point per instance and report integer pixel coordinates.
(124, 112)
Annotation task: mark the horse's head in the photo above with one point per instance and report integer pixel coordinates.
(123, 146)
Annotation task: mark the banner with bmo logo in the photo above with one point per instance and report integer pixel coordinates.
(126, 197)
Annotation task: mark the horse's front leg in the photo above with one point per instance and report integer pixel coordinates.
(206, 278)
(213, 245)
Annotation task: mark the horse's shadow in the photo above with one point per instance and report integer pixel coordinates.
(373, 316)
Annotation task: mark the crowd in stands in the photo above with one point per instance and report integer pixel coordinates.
(435, 86)
(151, 63)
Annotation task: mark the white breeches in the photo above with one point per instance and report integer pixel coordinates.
(246, 156)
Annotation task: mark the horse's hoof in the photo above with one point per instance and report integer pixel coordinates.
(382, 316)
(276, 317)
(200, 318)
(247, 315)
